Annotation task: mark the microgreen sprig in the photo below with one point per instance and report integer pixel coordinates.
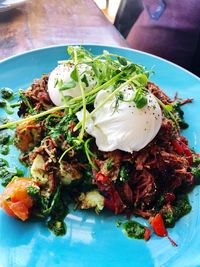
(89, 154)
(75, 76)
(74, 103)
(108, 98)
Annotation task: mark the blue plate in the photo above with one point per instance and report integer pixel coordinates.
(93, 240)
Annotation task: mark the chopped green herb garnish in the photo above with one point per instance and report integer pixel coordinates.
(134, 229)
(3, 103)
(109, 164)
(118, 223)
(140, 99)
(124, 174)
(33, 192)
(6, 93)
(4, 149)
(59, 228)
(66, 86)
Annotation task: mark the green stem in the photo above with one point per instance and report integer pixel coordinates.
(65, 152)
(16, 104)
(169, 112)
(89, 153)
(72, 104)
(34, 117)
(83, 98)
(98, 88)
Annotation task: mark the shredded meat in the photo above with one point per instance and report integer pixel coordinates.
(37, 96)
(154, 89)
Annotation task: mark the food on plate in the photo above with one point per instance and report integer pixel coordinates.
(96, 132)
(16, 199)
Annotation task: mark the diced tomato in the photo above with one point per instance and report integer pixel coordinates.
(147, 233)
(178, 146)
(101, 178)
(182, 148)
(188, 153)
(71, 126)
(15, 200)
(158, 225)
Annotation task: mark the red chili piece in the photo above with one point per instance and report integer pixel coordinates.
(182, 148)
(71, 126)
(177, 145)
(188, 153)
(147, 233)
(159, 228)
(158, 225)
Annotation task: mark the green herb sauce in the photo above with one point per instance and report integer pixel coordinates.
(196, 170)
(4, 143)
(6, 93)
(180, 208)
(134, 229)
(7, 174)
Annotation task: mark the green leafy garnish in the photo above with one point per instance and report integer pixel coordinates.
(33, 191)
(7, 174)
(66, 86)
(140, 99)
(6, 93)
(122, 61)
(134, 229)
(124, 174)
(109, 164)
(74, 74)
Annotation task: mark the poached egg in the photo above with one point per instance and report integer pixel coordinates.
(126, 127)
(62, 73)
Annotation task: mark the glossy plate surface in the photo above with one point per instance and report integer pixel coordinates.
(93, 240)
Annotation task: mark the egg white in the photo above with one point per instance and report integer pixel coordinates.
(62, 73)
(126, 127)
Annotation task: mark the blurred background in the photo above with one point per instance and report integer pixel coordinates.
(166, 28)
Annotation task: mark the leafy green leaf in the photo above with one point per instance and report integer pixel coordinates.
(74, 75)
(66, 86)
(6, 93)
(2, 103)
(140, 99)
(59, 83)
(85, 80)
(143, 79)
(122, 61)
(169, 107)
(70, 50)
(124, 174)
(3, 163)
(141, 102)
(109, 164)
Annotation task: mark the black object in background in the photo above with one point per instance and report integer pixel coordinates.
(127, 14)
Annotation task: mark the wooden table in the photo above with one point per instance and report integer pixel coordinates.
(40, 23)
